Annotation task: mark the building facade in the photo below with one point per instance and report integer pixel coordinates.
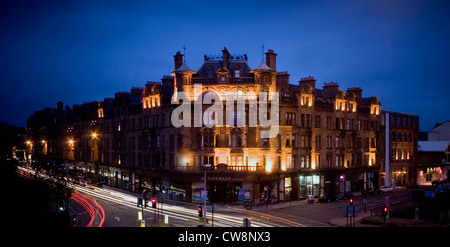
(327, 140)
(400, 137)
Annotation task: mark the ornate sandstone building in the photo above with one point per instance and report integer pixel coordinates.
(326, 140)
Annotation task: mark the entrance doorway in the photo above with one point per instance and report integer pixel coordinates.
(224, 192)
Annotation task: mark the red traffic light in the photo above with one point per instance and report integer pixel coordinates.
(153, 202)
(351, 201)
(385, 211)
(200, 211)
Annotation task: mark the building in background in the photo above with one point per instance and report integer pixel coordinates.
(328, 139)
(433, 161)
(440, 132)
(433, 156)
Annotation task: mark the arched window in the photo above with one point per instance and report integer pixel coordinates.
(208, 138)
(236, 137)
(237, 95)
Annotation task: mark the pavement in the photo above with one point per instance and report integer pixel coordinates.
(376, 222)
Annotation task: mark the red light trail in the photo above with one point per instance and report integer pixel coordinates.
(92, 208)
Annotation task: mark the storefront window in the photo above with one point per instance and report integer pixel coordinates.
(309, 185)
(287, 188)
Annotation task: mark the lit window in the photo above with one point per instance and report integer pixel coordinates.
(237, 73)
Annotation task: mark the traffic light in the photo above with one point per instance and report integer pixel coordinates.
(385, 211)
(200, 211)
(266, 190)
(139, 202)
(350, 201)
(153, 202)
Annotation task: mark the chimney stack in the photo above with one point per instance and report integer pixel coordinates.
(357, 91)
(271, 59)
(178, 58)
(308, 81)
(226, 57)
(330, 87)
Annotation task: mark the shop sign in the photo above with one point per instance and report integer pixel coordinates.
(220, 179)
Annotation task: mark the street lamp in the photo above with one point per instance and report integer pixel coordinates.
(204, 194)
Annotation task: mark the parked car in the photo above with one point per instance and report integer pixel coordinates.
(248, 204)
(345, 195)
(436, 182)
(386, 189)
(440, 181)
(327, 198)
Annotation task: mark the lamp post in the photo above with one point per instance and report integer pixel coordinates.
(204, 194)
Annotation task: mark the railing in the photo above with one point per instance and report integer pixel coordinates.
(246, 168)
(220, 168)
(232, 80)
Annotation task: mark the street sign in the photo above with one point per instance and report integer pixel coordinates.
(431, 194)
(213, 208)
(351, 211)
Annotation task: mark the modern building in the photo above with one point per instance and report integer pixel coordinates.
(433, 161)
(325, 139)
(400, 137)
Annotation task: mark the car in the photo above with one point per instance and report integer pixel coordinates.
(248, 204)
(374, 191)
(386, 189)
(436, 182)
(327, 198)
(345, 195)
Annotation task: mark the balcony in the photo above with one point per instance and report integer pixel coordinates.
(220, 168)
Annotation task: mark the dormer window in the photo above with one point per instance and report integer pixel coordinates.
(306, 96)
(237, 73)
(100, 113)
(340, 105)
(375, 110)
(306, 100)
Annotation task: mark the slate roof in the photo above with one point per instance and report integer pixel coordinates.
(262, 67)
(232, 65)
(433, 146)
(184, 68)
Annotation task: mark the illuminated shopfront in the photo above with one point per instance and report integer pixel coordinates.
(309, 185)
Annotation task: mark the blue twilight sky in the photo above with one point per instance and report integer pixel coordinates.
(78, 51)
